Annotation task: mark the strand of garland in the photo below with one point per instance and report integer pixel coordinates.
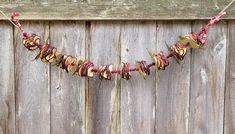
(86, 68)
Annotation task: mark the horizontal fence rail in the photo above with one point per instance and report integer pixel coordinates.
(116, 9)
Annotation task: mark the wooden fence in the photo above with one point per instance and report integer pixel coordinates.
(195, 97)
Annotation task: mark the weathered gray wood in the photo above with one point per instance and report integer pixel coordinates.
(103, 96)
(172, 95)
(7, 89)
(94, 107)
(208, 82)
(67, 91)
(137, 94)
(32, 86)
(229, 123)
(116, 9)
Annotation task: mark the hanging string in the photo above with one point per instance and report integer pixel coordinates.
(9, 19)
(227, 6)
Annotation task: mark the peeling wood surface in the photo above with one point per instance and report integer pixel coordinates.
(189, 98)
(229, 124)
(208, 83)
(173, 84)
(7, 92)
(67, 92)
(116, 9)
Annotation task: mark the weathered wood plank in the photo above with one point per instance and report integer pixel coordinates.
(172, 95)
(116, 9)
(137, 94)
(103, 96)
(7, 89)
(208, 82)
(229, 123)
(32, 86)
(67, 91)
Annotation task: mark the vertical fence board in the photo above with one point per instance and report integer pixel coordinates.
(67, 91)
(137, 94)
(229, 124)
(32, 92)
(172, 95)
(185, 98)
(103, 96)
(207, 83)
(7, 92)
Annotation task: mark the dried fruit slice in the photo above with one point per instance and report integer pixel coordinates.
(126, 73)
(143, 68)
(58, 58)
(85, 69)
(50, 57)
(68, 62)
(160, 60)
(76, 67)
(178, 51)
(105, 72)
(42, 52)
(32, 42)
(190, 40)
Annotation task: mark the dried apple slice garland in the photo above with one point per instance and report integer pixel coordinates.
(86, 68)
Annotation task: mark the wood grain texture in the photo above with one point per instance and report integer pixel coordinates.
(195, 97)
(103, 96)
(208, 82)
(67, 91)
(137, 94)
(229, 123)
(32, 92)
(116, 9)
(7, 86)
(173, 84)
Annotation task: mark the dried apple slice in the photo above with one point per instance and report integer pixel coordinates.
(105, 72)
(160, 60)
(143, 68)
(126, 73)
(31, 42)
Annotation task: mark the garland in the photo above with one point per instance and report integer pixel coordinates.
(86, 68)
